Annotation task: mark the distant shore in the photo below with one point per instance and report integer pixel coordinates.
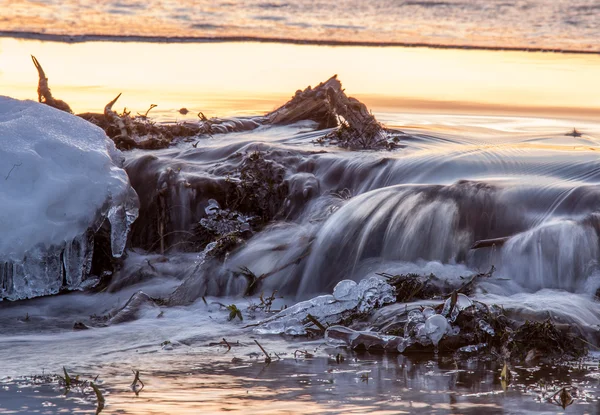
(66, 38)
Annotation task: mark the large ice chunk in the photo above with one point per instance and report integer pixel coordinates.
(348, 298)
(60, 177)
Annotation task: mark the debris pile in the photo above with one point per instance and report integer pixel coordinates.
(328, 105)
(348, 298)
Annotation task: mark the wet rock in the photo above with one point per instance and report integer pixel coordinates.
(80, 326)
(201, 281)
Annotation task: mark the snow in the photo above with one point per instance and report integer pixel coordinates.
(60, 177)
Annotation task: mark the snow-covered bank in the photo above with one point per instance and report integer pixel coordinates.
(61, 178)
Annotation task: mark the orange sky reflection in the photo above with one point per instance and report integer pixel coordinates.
(229, 78)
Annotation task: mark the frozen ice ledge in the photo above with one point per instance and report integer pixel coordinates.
(61, 178)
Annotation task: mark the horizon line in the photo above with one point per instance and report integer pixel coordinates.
(65, 38)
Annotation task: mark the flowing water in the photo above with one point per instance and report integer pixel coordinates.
(419, 208)
(456, 178)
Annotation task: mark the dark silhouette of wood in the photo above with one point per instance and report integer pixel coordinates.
(329, 106)
(44, 93)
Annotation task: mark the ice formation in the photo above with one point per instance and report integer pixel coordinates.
(61, 177)
(452, 312)
(423, 327)
(348, 297)
(224, 221)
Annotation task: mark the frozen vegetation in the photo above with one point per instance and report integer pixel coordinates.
(348, 298)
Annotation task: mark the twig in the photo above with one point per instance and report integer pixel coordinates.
(267, 357)
(227, 344)
(316, 322)
(149, 109)
(12, 168)
(137, 379)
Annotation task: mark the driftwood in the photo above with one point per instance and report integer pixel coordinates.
(328, 105)
(139, 131)
(113, 117)
(310, 104)
(123, 140)
(44, 93)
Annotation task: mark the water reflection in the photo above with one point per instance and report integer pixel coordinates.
(361, 383)
(229, 78)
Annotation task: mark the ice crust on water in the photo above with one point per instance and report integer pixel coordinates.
(61, 177)
(348, 297)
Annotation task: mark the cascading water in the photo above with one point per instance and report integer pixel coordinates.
(348, 214)
(351, 215)
(248, 215)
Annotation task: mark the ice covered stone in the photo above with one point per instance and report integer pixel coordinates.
(414, 319)
(61, 178)
(404, 344)
(436, 327)
(133, 308)
(344, 290)
(349, 297)
(373, 292)
(340, 336)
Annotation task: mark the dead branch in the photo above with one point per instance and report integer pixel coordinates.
(267, 357)
(44, 93)
(328, 105)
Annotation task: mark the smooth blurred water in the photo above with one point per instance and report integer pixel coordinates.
(416, 209)
(551, 24)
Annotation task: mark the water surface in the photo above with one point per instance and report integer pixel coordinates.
(560, 24)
